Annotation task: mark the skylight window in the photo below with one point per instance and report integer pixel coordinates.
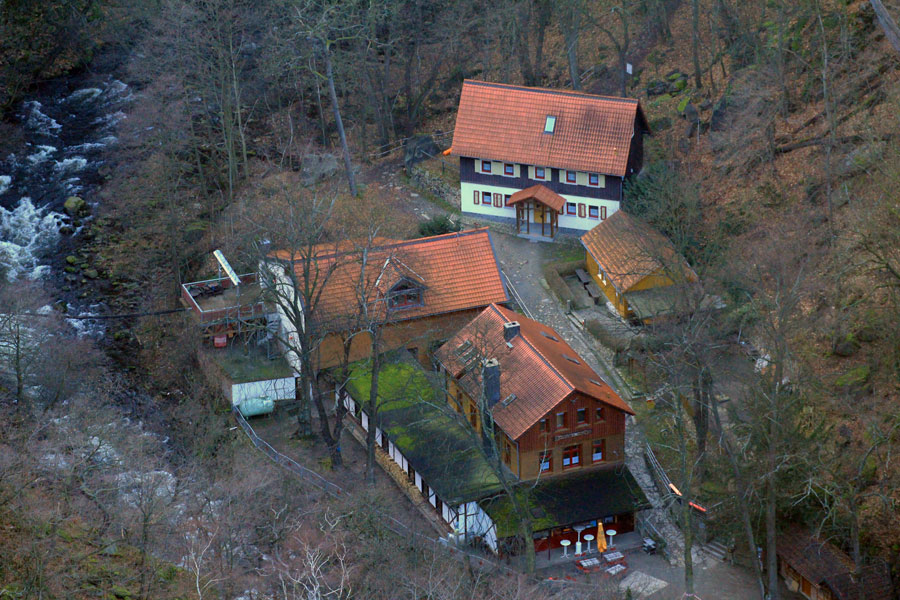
(595, 382)
(548, 336)
(550, 124)
(570, 359)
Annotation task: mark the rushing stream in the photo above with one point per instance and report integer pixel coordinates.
(66, 132)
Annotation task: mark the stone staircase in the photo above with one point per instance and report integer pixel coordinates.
(716, 550)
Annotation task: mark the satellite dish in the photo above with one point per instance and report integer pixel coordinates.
(223, 262)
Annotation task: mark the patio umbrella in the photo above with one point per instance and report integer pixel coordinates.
(601, 538)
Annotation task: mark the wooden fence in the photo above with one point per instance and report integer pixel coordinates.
(391, 147)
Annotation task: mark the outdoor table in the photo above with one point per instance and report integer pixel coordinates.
(588, 565)
(582, 275)
(611, 533)
(588, 538)
(565, 544)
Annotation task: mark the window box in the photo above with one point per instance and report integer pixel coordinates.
(509, 170)
(540, 173)
(571, 456)
(485, 166)
(571, 208)
(593, 212)
(571, 177)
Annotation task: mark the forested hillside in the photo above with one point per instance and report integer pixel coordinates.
(773, 166)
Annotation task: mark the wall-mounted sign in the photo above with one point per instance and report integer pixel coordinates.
(565, 436)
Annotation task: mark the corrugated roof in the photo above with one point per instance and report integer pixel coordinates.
(506, 122)
(458, 271)
(542, 194)
(628, 250)
(538, 366)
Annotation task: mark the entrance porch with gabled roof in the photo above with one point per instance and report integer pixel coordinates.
(536, 206)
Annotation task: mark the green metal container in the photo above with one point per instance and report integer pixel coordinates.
(253, 407)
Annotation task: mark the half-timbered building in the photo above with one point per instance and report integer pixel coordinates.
(571, 151)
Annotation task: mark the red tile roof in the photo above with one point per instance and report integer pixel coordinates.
(458, 271)
(538, 366)
(628, 250)
(542, 194)
(506, 122)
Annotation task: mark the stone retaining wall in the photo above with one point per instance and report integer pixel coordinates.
(435, 185)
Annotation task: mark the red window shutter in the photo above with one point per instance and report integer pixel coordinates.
(498, 200)
(603, 213)
(580, 210)
(477, 197)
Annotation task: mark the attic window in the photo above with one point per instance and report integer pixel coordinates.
(550, 124)
(570, 359)
(508, 400)
(549, 337)
(405, 294)
(595, 382)
(463, 347)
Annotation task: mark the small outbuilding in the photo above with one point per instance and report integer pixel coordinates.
(821, 571)
(636, 267)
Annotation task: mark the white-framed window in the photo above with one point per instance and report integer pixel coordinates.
(540, 173)
(485, 166)
(594, 179)
(509, 170)
(571, 177)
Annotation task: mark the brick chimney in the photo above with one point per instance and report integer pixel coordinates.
(490, 376)
(510, 330)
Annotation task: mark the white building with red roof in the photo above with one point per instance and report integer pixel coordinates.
(575, 149)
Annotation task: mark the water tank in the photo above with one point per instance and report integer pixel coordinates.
(253, 407)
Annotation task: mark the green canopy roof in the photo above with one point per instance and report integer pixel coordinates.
(424, 428)
(570, 499)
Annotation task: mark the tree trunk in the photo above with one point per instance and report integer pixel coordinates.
(695, 42)
(304, 413)
(771, 549)
(571, 40)
(333, 445)
(329, 74)
(891, 30)
(746, 519)
(687, 528)
(373, 411)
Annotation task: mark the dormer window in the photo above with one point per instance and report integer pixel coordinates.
(405, 295)
(550, 124)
